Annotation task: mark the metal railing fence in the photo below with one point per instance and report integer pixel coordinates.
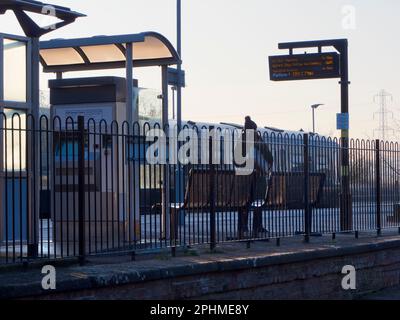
(73, 188)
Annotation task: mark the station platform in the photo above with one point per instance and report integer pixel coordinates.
(294, 270)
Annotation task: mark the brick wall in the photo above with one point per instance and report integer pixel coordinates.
(317, 278)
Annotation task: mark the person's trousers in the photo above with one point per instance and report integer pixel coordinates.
(243, 223)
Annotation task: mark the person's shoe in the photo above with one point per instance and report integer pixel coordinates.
(262, 231)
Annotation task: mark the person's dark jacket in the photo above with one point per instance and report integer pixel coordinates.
(259, 145)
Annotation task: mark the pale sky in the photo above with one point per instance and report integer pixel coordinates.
(225, 48)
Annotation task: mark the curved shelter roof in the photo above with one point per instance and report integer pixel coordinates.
(107, 52)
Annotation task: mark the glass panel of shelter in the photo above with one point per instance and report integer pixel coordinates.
(14, 100)
(14, 77)
(15, 52)
(65, 56)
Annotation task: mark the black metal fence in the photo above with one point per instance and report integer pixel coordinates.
(77, 188)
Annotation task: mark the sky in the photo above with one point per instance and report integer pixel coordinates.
(226, 44)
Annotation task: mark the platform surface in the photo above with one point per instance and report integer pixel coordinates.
(116, 270)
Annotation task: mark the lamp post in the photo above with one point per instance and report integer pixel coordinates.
(314, 107)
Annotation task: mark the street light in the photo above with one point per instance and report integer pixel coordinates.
(314, 107)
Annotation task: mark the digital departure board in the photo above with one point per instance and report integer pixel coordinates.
(304, 66)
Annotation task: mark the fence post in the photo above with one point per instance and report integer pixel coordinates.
(307, 209)
(33, 185)
(213, 240)
(378, 184)
(81, 189)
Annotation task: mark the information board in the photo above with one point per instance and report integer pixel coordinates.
(173, 78)
(343, 121)
(304, 66)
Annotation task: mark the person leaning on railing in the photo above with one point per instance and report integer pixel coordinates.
(263, 162)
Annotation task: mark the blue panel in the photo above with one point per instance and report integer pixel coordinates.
(15, 206)
(343, 121)
(137, 152)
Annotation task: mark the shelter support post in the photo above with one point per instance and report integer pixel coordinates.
(34, 170)
(346, 207)
(2, 210)
(132, 116)
(165, 191)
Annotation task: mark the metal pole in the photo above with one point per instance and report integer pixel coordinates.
(165, 192)
(132, 116)
(313, 118)
(378, 187)
(179, 180)
(2, 209)
(213, 239)
(179, 50)
(346, 215)
(34, 183)
(173, 102)
(81, 189)
(307, 211)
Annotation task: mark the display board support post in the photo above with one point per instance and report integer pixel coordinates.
(280, 72)
(346, 214)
